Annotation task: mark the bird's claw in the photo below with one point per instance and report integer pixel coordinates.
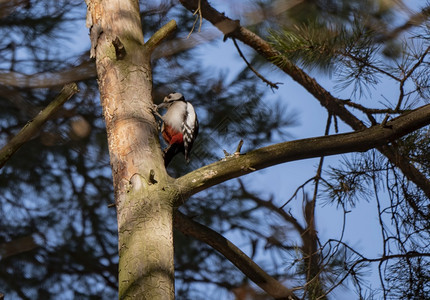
(154, 108)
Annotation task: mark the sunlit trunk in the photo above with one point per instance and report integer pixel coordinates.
(144, 209)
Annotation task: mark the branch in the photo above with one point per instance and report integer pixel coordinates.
(32, 127)
(87, 69)
(383, 258)
(83, 71)
(409, 74)
(269, 284)
(20, 245)
(358, 141)
(332, 104)
(160, 35)
(368, 111)
(234, 30)
(271, 206)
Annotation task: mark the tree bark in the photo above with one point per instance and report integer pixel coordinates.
(141, 184)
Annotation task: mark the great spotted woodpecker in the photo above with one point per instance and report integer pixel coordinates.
(180, 126)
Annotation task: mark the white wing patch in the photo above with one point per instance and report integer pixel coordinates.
(190, 128)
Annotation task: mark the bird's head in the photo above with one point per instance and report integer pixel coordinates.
(174, 97)
(170, 99)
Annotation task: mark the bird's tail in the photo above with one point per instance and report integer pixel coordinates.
(171, 151)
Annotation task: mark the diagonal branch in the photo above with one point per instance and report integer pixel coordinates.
(32, 127)
(234, 30)
(160, 35)
(271, 206)
(20, 245)
(358, 141)
(269, 284)
(334, 105)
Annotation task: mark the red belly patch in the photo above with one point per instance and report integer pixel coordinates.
(172, 136)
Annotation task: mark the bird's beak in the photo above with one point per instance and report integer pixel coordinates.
(162, 105)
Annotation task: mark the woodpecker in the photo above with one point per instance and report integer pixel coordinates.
(180, 126)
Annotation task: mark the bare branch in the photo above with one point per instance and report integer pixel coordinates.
(358, 141)
(32, 127)
(373, 110)
(160, 35)
(20, 245)
(271, 206)
(269, 284)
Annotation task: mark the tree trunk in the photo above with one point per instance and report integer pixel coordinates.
(142, 194)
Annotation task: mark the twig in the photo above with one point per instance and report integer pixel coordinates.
(239, 147)
(296, 192)
(32, 127)
(373, 110)
(380, 259)
(288, 217)
(409, 74)
(269, 83)
(336, 126)
(199, 17)
(369, 65)
(384, 122)
(236, 153)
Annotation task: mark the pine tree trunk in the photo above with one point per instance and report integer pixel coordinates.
(141, 184)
